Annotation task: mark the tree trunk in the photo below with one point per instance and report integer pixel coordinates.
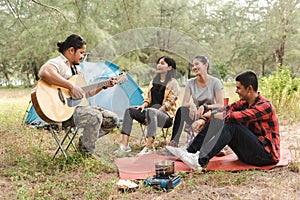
(279, 52)
(27, 73)
(35, 72)
(263, 70)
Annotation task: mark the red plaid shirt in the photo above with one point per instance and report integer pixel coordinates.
(261, 119)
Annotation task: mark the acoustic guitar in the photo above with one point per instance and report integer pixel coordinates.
(53, 103)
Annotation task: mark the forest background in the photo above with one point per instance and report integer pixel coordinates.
(235, 35)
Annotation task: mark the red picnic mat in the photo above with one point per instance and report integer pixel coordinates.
(232, 163)
(144, 166)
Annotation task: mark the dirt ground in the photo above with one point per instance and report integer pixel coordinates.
(290, 138)
(278, 183)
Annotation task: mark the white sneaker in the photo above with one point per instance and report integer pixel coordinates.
(191, 159)
(123, 149)
(173, 150)
(145, 150)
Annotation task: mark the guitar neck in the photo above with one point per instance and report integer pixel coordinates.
(95, 85)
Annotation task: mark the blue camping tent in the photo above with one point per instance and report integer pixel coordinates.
(33, 119)
(116, 98)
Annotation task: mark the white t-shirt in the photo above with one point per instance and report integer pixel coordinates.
(204, 95)
(62, 65)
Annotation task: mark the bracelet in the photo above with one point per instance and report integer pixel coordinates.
(204, 118)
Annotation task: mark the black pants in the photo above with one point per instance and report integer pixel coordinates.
(182, 115)
(239, 138)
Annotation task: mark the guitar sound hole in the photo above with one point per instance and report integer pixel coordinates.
(61, 96)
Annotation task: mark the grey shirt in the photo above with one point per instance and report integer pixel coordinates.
(206, 95)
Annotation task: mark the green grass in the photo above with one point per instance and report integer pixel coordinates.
(27, 170)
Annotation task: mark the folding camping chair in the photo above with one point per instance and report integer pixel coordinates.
(70, 131)
(164, 130)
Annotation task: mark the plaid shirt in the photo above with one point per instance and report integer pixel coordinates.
(260, 118)
(170, 97)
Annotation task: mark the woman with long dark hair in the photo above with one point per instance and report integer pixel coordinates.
(158, 108)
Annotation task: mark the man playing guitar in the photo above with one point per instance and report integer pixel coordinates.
(92, 122)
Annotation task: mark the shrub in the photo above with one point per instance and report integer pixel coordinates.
(283, 91)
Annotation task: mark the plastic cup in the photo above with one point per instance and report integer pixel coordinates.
(226, 101)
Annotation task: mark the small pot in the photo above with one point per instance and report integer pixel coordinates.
(164, 168)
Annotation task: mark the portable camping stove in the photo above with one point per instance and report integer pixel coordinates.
(165, 178)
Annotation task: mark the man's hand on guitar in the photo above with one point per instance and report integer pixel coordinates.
(112, 82)
(77, 92)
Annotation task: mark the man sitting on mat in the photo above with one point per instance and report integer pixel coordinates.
(248, 126)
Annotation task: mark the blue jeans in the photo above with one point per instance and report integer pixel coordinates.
(239, 138)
